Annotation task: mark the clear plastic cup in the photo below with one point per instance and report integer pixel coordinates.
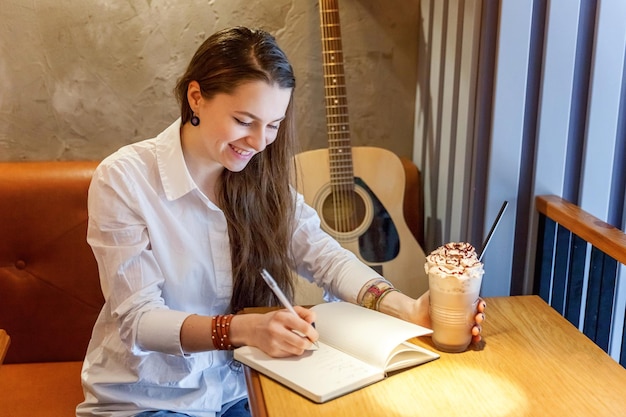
(453, 302)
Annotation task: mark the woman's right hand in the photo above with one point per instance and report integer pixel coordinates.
(275, 332)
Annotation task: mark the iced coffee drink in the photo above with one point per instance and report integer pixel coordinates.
(454, 275)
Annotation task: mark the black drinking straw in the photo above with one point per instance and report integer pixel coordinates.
(493, 229)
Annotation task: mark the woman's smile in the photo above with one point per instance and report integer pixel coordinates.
(241, 152)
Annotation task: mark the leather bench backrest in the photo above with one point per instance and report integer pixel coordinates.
(50, 292)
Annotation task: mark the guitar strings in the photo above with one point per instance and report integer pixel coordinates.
(342, 180)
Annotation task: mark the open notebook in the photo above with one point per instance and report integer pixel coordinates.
(357, 347)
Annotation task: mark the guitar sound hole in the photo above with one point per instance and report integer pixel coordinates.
(343, 212)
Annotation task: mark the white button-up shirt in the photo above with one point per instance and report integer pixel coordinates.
(163, 253)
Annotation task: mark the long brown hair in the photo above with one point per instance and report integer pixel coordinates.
(258, 202)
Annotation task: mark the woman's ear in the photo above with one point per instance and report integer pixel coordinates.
(194, 95)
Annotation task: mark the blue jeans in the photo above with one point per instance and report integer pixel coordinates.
(240, 409)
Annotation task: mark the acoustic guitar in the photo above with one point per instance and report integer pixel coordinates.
(358, 191)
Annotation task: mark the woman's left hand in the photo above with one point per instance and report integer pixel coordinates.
(479, 319)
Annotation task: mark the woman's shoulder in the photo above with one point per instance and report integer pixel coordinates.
(142, 155)
(135, 156)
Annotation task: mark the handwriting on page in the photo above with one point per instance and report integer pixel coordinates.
(335, 367)
(328, 369)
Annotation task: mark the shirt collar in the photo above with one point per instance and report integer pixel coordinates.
(174, 174)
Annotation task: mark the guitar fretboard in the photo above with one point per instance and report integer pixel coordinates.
(337, 121)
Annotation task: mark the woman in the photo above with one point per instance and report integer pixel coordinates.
(182, 224)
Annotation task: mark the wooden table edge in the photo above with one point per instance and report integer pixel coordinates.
(255, 393)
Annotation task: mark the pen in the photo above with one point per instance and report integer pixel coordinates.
(269, 280)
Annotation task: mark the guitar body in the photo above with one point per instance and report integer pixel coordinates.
(373, 226)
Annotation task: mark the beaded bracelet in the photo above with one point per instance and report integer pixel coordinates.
(375, 292)
(384, 293)
(220, 332)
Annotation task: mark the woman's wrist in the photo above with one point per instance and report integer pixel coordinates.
(396, 304)
(406, 308)
(241, 327)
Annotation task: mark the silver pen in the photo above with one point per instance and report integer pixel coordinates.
(269, 280)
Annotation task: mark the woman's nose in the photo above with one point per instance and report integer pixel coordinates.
(257, 140)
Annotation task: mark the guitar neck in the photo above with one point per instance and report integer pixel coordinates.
(337, 121)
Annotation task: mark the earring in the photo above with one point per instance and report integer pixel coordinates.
(195, 120)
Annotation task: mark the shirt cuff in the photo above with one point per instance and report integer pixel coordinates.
(159, 331)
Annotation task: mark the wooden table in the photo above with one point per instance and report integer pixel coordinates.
(532, 362)
(5, 340)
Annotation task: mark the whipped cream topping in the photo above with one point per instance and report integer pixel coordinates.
(457, 259)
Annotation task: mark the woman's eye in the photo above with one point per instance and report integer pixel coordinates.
(242, 123)
(248, 124)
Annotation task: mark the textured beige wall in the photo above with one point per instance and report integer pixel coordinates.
(80, 78)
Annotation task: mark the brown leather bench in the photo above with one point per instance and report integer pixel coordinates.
(49, 288)
(50, 292)
(5, 341)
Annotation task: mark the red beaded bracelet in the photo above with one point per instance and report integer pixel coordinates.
(220, 332)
